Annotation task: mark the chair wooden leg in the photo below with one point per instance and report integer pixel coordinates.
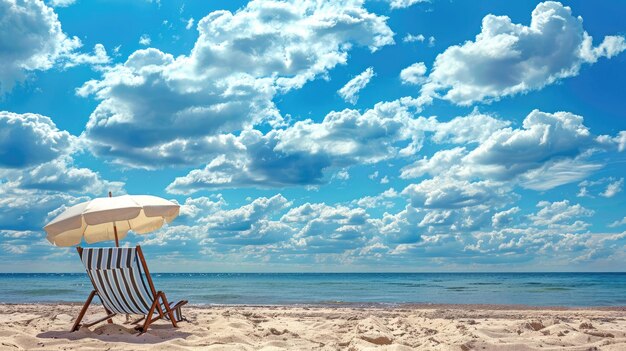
(138, 320)
(83, 311)
(110, 320)
(168, 310)
(99, 320)
(149, 319)
(161, 315)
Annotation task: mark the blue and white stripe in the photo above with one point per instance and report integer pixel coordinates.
(118, 277)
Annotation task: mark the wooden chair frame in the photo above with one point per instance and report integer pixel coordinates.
(158, 295)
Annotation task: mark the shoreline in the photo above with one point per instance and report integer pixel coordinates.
(372, 305)
(290, 327)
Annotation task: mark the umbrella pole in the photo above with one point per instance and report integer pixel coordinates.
(117, 242)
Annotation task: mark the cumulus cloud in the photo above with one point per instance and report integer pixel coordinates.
(190, 23)
(401, 4)
(439, 163)
(31, 39)
(99, 57)
(299, 154)
(431, 41)
(30, 139)
(249, 224)
(350, 91)
(26, 209)
(473, 128)
(550, 149)
(544, 136)
(414, 74)
(61, 3)
(342, 175)
(621, 141)
(327, 229)
(507, 58)
(504, 218)
(239, 62)
(605, 187)
(562, 215)
(613, 188)
(384, 199)
(268, 229)
(410, 38)
(440, 192)
(61, 175)
(37, 171)
(617, 223)
(145, 40)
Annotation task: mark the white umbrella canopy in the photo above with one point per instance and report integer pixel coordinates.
(110, 218)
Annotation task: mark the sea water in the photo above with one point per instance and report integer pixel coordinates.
(535, 289)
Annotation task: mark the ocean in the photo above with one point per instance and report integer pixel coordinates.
(534, 289)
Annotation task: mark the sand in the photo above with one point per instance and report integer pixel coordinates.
(444, 327)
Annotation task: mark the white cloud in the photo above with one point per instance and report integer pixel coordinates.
(562, 215)
(319, 234)
(621, 141)
(342, 175)
(99, 57)
(15, 249)
(414, 74)
(473, 128)
(618, 223)
(446, 193)
(62, 175)
(62, 3)
(31, 39)
(299, 154)
(320, 228)
(507, 58)
(410, 38)
(556, 173)
(431, 41)
(605, 187)
(550, 149)
(190, 22)
(439, 163)
(384, 199)
(402, 227)
(27, 209)
(613, 188)
(545, 137)
(30, 139)
(350, 91)
(37, 171)
(504, 218)
(401, 4)
(249, 224)
(239, 62)
(145, 40)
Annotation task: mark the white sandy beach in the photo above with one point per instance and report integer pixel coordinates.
(446, 327)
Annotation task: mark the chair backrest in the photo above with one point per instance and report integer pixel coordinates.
(120, 277)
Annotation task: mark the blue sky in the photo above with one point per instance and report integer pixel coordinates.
(400, 135)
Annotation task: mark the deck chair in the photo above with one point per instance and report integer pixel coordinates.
(121, 279)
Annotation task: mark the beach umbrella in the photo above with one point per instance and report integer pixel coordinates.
(110, 218)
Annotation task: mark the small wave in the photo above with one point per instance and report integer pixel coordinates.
(47, 292)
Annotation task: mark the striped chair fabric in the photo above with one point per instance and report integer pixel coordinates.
(118, 277)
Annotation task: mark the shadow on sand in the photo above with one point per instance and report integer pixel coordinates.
(157, 333)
